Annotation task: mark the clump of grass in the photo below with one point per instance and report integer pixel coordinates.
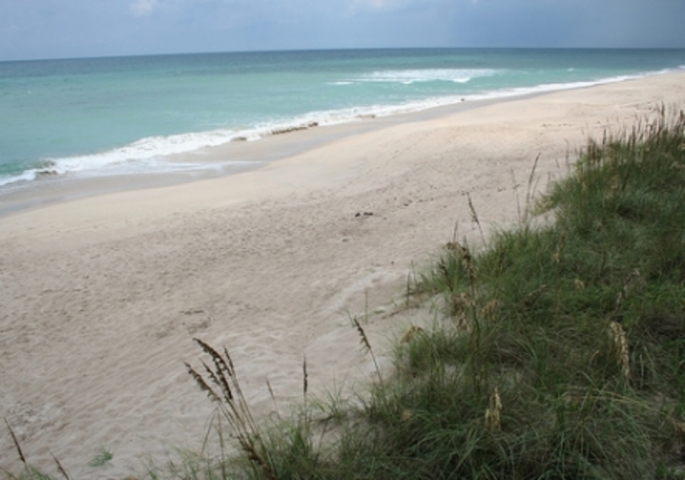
(220, 383)
(202, 465)
(587, 311)
(101, 458)
(562, 349)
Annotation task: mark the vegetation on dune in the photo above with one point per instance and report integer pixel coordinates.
(560, 352)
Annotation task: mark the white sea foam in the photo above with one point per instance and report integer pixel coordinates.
(143, 156)
(408, 77)
(353, 114)
(148, 154)
(346, 115)
(25, 176)
(552, 87)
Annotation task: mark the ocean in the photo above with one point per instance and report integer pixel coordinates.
(94, 117)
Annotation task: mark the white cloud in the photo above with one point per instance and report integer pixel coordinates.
(143, 7)
(379, 4)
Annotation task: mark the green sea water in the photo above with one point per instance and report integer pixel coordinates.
(90, 117)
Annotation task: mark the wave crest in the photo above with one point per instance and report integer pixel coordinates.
(408, 77)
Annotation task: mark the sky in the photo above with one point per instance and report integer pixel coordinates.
(36, 29)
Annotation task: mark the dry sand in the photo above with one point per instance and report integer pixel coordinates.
(101, 296)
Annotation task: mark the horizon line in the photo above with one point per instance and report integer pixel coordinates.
(303, 50)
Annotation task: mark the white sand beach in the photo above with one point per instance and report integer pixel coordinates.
(101, 296)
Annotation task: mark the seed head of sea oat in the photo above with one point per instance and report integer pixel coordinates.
(620, 340)
(493, 420)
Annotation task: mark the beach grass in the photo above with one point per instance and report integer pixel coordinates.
(558, 350)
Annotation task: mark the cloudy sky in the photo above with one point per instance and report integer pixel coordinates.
(31, 29)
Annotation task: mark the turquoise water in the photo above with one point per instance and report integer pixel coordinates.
(116, 115)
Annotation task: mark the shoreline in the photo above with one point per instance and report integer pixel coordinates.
(232, 158)
(102, 295)
(236, 156)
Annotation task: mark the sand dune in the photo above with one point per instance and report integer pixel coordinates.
(102, 296)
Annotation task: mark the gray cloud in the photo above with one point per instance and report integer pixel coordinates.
(64, 28)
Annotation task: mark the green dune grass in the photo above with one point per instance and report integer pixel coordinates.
(560, 352)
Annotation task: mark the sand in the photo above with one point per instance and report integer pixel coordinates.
(101, 296)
